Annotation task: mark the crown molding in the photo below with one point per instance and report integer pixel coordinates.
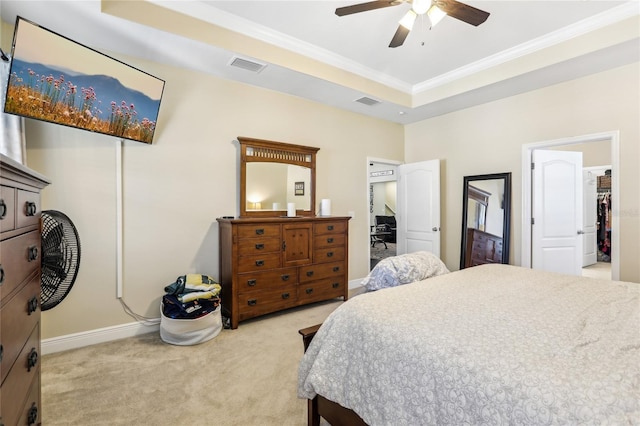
(199, 9)
(601, 20)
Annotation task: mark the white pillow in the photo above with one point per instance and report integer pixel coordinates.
(404, 269)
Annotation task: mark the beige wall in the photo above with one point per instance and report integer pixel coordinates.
(489, 138)
(174, 189)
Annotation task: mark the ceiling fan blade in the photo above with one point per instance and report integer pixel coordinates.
(463, 12)
(399, 37)
(363, 7)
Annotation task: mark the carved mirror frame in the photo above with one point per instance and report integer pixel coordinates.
(474, 193)
(264, 151)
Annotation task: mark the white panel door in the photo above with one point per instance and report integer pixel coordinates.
(418, 215)
(557, 212)
(589, 218)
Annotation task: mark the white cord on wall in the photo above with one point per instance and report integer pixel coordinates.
(119, 243)
(119, 230)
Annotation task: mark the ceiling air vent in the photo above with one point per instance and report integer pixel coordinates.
(367, 101)
(246, 64)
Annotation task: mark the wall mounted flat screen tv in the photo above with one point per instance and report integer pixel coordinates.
(58, 80)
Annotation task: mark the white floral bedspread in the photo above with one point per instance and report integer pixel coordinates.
(404, 269)
(493, 345)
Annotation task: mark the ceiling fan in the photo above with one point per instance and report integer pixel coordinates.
(435, 10)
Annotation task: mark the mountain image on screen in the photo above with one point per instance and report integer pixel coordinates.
(106, 88)
(75, 99)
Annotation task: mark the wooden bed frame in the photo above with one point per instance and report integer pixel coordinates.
(334, 413)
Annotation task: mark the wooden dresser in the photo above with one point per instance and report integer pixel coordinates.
(19, 293)
(270, 264)
(484, 248)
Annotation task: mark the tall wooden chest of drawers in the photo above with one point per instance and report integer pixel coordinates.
(270, 264)
(19, 293)
(483, 248)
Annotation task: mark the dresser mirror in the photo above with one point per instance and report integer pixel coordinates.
(486, 213)
(275, 174)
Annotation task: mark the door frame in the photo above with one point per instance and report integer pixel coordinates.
(613, 137)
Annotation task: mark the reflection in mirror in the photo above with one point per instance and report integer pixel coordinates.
(478, 201)
(271, 186)
(485, 219)
(274, 175)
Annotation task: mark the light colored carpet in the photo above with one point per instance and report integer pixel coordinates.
(246, 376)
(599, 270)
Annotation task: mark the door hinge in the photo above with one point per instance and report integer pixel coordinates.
(533, 221)
(533, 166)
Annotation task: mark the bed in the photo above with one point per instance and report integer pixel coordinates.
(493, 344)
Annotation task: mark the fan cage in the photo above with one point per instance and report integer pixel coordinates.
(60, 257)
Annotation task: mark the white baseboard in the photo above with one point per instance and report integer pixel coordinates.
(107, 334)
(100, 335)
(353, 284)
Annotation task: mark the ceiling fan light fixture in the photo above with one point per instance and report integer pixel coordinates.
(435, 15)
(420, 6)
(408, 19)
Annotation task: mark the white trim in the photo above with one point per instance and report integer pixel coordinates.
(614, 138)
(608, 17)
(355, 284)
(232, 22)
(100, 335)
(202, 10)
(119, 229)
(383, 161)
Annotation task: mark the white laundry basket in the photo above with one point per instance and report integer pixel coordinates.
(190, 331)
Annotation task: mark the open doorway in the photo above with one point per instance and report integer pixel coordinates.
(597, 222)
(585, 144)
(382, 196)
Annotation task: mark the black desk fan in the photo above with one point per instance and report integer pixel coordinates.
(60, 257)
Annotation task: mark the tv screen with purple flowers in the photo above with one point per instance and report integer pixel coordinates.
(58, 80)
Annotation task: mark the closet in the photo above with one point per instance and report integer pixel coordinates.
(604, 217)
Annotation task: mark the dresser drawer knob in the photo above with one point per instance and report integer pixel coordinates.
(3, 209)
(32, 254)
(285, 277)
(32, 416)
(309, 273)
(32, 305)
(30, 208)
(252, 302)
(335, 285)
(330, 254)
(32, 359)
(252, 283)
(259, 262)
(336, 268)
(285, 295)
(259, 231)
(330, 228)
(1, 274)
(259, 246)
(329, 240)
(309, 291)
